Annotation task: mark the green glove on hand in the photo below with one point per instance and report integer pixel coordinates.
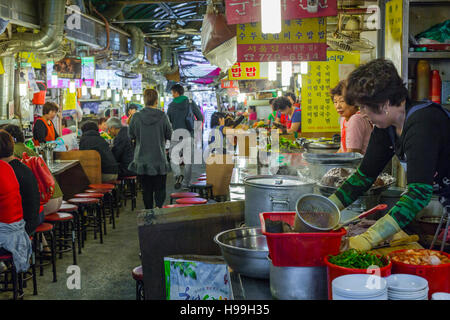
(380, 231)
(333, 198)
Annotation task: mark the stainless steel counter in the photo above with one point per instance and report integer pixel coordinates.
(59, 166)
(245, 288)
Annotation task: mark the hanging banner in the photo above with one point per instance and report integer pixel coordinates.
(299, 40)
(246, 11)
(393, 38)
(29, 60)
(248, 71)
(248, 86)
(83, 68)
(70, 100)
(318, 112)
(229, 84)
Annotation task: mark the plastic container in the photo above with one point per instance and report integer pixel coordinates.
(423, 80)
(435, 87)
(334, 271)
(39, 97)
(299, 249)
(437, 276)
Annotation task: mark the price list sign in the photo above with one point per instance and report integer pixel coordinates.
(299, 40)
(248, 71)
(318, 112)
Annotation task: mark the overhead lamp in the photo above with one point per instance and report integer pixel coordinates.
(241, 97)
(272, 71)
(286, 73)
(108, 92)
(54, 79)
(271, 16)
(279, 93)
(303, 67)
(72, 86)
(95, 91)
(23, 89)
(130, 93)
(138, 97)
(83, 88)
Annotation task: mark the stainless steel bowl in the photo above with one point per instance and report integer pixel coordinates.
(245, 251)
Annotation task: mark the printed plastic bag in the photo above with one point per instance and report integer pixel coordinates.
(196, 278)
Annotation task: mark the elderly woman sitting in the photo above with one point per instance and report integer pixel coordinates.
(122, 149)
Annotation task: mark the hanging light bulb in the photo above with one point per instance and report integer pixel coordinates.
(303, 67)
(72, 86)
(83, 88)
(286, 73)
(279, 94)
(271, 16)
(138, 97)
(108, 92)
(130, 93)
(54, 79)
(272, 71)
(142, 100)
(23, 88)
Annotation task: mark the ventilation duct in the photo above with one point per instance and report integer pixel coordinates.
(166, 61)
(48, 39)
(137, 46)
(6, 86)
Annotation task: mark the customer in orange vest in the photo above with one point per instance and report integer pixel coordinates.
(43, 129)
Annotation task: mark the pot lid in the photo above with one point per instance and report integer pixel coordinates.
(323, 145)
(276, 181)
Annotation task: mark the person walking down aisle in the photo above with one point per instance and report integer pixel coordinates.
(150, 128)
(43, 129)
(178, 112)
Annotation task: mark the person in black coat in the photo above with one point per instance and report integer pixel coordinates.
(33, 213)
(91, 140)
(122, 149)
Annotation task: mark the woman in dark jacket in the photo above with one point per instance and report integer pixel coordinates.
(91, 140)
(151, 129)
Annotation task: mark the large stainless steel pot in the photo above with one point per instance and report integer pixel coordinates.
(245, 251)
(298, 283)
(272, 193)
(320, 164)
(318, 147)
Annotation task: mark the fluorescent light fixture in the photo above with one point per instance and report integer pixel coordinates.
(241, 97)
(300, 80)
(23, 88)
(272, 71)
(72, 86)
(138, 97)
(83, 89)
(54, 79)
(303, 67)
(286, 73)
(271, 16)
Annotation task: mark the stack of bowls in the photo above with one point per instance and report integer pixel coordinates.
(359, 287)
(440, 296)
(407, 287)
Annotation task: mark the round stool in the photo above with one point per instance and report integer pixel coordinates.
(201, 179)
(203, 188)
(65, 223)
(86, 210)
(99, 196)
(45, 228)
(129, 190)
(191, 201)
(176, 205)
(107, 203)
(101, 186)
(178, 195)
(138, 276)
(15, 276)
(72, 209)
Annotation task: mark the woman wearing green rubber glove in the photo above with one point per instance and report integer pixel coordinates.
(417, 133)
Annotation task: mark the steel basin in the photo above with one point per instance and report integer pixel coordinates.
(245, 251)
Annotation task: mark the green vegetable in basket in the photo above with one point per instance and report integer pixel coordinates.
(355, 259)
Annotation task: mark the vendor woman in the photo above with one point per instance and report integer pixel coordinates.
(293, 114)
(43, 129)
(418, 133)
(355, 127)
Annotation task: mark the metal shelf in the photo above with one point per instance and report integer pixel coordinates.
(429, 55)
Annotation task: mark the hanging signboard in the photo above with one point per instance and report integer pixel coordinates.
(248, 86)
(70, 100)
(248, 71)
(318, 112)
(229, 84)
(299, 40)
(393, 38)
(72, 69)
(29, 60)
(246, 11)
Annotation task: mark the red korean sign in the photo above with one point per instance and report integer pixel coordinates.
(284, 52)
(229, 84)
(246, 11)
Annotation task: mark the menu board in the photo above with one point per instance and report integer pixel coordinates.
(318, 112)
(105, 77)
(136, 84)
(72, 69)
(248, 86)
(248, 71)
(299, 40)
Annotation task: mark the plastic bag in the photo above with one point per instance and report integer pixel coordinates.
(196, 278)
(439, 32)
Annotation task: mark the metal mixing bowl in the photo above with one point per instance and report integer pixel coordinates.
(245, 251)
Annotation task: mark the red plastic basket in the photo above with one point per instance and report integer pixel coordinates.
(39, 97)
(438, 276)
(299, 249)
(334, 271)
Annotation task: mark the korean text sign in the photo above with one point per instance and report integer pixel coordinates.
(318, 112)
(299, 40)
(247, 71)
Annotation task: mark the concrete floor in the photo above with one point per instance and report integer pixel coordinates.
(105, 268)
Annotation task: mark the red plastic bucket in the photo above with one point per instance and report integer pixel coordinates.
(438, 276)
(39, 97)
(299, 249)
(334, 271)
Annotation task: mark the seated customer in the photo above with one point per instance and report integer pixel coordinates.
(19, 148)
(33, 212)
(13, 238)
(91, 140)
(122, 148)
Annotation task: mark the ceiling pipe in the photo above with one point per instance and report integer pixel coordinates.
(137, 45)
(166, 61)
(48, 39)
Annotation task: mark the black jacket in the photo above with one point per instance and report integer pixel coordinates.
(40, 131)
(178, 110)
(91, 140)
(29, 191)
(123, 151)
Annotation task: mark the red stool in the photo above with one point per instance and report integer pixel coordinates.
(89, 211)
(203, 188)
(191, 201)
(72, 209)
(129, 190)
(99, 196)
(176, 205)
(45, 228)
(112, 197)
(138, 276)
(101, 186)
(201, 179)
(15, 276)
(178, 195)
(64, 222)
(107, 203)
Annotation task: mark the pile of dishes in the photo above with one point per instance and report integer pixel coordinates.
(407, 287)
(440, 296)
(359, 287)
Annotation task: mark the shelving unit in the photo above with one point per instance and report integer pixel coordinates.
(429, 55)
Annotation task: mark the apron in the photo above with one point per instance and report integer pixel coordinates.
(289, 119)
(51, 133)
(442, 190)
